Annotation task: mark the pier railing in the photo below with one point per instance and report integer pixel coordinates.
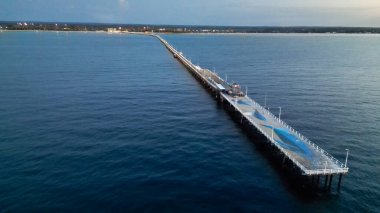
(197, 70)
(304, 170)
(299, 134)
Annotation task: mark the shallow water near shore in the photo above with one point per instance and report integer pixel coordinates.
(106, 122)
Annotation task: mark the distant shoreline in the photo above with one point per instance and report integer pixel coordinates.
(191, 33)
(183, 29)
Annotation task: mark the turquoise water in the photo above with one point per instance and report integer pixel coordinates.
(98, 122)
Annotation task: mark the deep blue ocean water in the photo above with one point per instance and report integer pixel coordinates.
(97, 122)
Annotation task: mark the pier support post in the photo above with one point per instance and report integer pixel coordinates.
(326, 179)
(331, 178)
(283, 161)
(317, 181)
(340, 179)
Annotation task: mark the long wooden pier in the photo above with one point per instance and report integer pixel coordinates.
(308, 157)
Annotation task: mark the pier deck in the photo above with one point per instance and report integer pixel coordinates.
(307, 156)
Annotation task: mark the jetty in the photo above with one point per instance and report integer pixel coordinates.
(310, 159)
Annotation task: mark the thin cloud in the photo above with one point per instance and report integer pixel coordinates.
(123, 3)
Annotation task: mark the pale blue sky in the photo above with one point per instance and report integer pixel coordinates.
(198, 12)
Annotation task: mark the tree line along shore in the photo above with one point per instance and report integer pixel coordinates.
(47, 26)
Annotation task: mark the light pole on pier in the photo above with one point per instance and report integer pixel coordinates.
(345, 164)
(279, 114)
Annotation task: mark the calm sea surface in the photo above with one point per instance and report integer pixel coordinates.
(97, 122)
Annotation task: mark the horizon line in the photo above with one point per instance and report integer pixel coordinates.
(189, 25)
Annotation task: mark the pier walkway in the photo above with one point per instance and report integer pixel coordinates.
(304, 154)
